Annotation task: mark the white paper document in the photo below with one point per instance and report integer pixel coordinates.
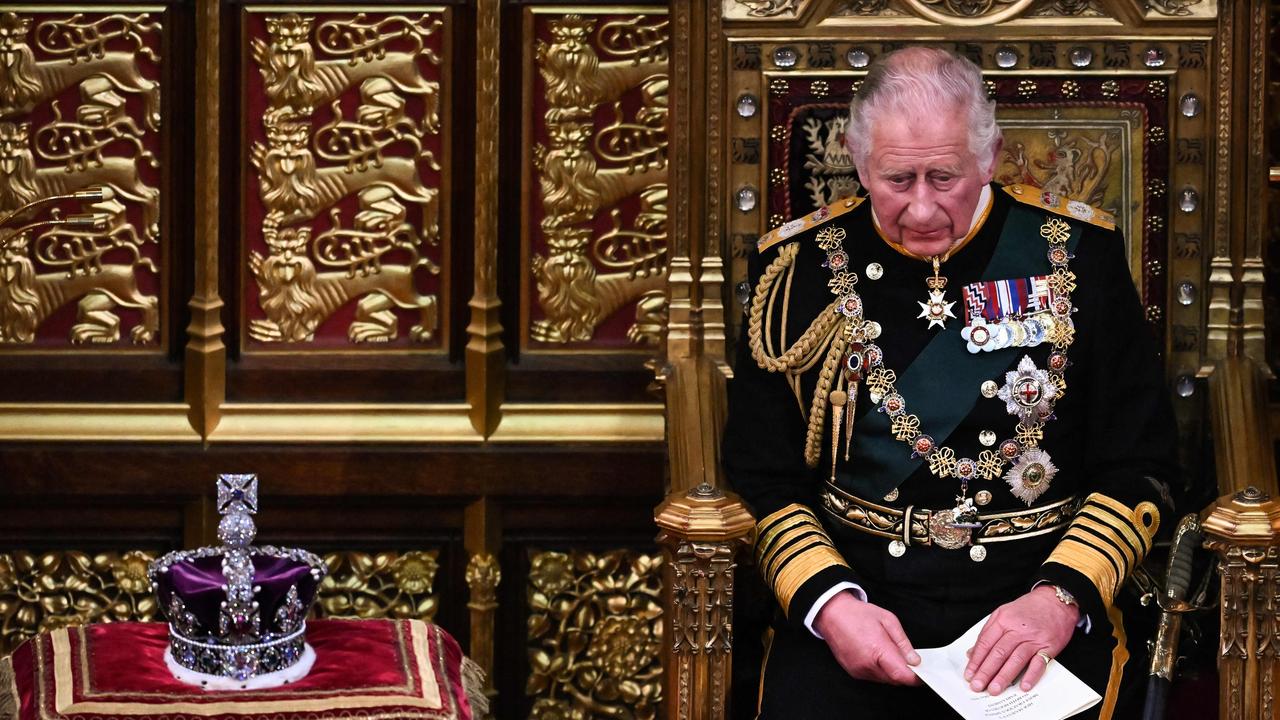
(1058, 695)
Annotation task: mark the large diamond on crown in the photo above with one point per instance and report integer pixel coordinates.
(237, 612)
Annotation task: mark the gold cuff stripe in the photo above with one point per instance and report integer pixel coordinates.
(1104, 545)
(1133, 515)
(1106, 540)
(1105, 531)
(793, 550)
(796, 572)
(1088, 562)
(1130, 519)
(1124, 533)
(777, 527)
(786, 550)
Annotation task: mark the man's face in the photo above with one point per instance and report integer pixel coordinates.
(923, 180)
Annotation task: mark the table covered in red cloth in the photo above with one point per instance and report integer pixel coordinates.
(374, 669)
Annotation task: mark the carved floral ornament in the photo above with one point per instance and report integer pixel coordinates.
(594, 635)
(353, 109)
(93, 150)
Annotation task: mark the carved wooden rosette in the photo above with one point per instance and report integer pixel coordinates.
(80, 109)
(345, 223)
(50, 590)
(595, 226)
(595, 634)
(700, 533)
(380, 585)
(1244, 529)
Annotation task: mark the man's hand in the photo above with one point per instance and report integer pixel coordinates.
(1017, 631)
(867, 640)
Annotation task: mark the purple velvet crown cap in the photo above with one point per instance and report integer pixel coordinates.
(237, 610)
(199, 583)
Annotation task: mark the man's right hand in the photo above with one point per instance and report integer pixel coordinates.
(867, 640)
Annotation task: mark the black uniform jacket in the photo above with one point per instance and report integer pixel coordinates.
(1111, 437)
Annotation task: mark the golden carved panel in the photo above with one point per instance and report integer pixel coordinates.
(346, 229)
(595, 222)
(380, 585)
(80, 121)
(594, 634)
(46, 591)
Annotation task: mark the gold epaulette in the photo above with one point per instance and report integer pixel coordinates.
(791, 547)
(1106, 541)
(813, 219)
(1062, 205)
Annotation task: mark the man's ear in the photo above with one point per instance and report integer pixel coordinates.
(995, 159)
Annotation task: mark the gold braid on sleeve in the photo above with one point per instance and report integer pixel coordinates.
(822, 336)
(1106, 540)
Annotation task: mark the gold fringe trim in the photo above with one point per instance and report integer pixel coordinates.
(473, 685)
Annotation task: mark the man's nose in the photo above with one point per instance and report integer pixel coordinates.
(923, 204)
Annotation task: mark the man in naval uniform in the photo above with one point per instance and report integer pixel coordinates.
(947, 405)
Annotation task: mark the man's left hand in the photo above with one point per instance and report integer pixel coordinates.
(1011, 640)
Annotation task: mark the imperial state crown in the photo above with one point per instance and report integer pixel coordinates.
(237, 612)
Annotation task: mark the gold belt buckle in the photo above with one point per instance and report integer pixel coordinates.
(952, 529)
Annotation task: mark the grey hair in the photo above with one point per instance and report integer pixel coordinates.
(914, 82)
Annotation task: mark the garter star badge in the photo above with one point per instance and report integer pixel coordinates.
(1028, 392)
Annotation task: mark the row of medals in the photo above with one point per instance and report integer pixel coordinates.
(1029, 392)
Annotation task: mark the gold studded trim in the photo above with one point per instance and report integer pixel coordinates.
(793, 547)
(1106, 541)
(794, 227)
(1061, 204)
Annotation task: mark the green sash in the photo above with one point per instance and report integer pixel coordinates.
(941, 385)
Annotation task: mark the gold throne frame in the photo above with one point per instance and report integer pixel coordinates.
(1197, 258)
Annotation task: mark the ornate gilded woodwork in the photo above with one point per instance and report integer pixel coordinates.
(483, 575)
(594, 634)
(346, 117)
(380, 585)
(700, 532)
(596, 230)
(67, 126)
(1243, 529)
(50, 590)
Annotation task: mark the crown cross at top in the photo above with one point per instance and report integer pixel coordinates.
(237, 493)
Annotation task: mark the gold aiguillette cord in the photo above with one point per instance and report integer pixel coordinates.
(851, 408)
(838, 399)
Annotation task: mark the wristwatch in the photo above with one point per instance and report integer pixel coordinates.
(1064, 596)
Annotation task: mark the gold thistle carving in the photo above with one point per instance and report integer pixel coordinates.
(80, 47)
(483, 576)
(595, 634)
(573, 293)
(380, 585)
(75, 250)
(297, 299)
(295, 79)
(58, 589)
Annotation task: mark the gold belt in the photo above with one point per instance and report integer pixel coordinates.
(934, 527)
